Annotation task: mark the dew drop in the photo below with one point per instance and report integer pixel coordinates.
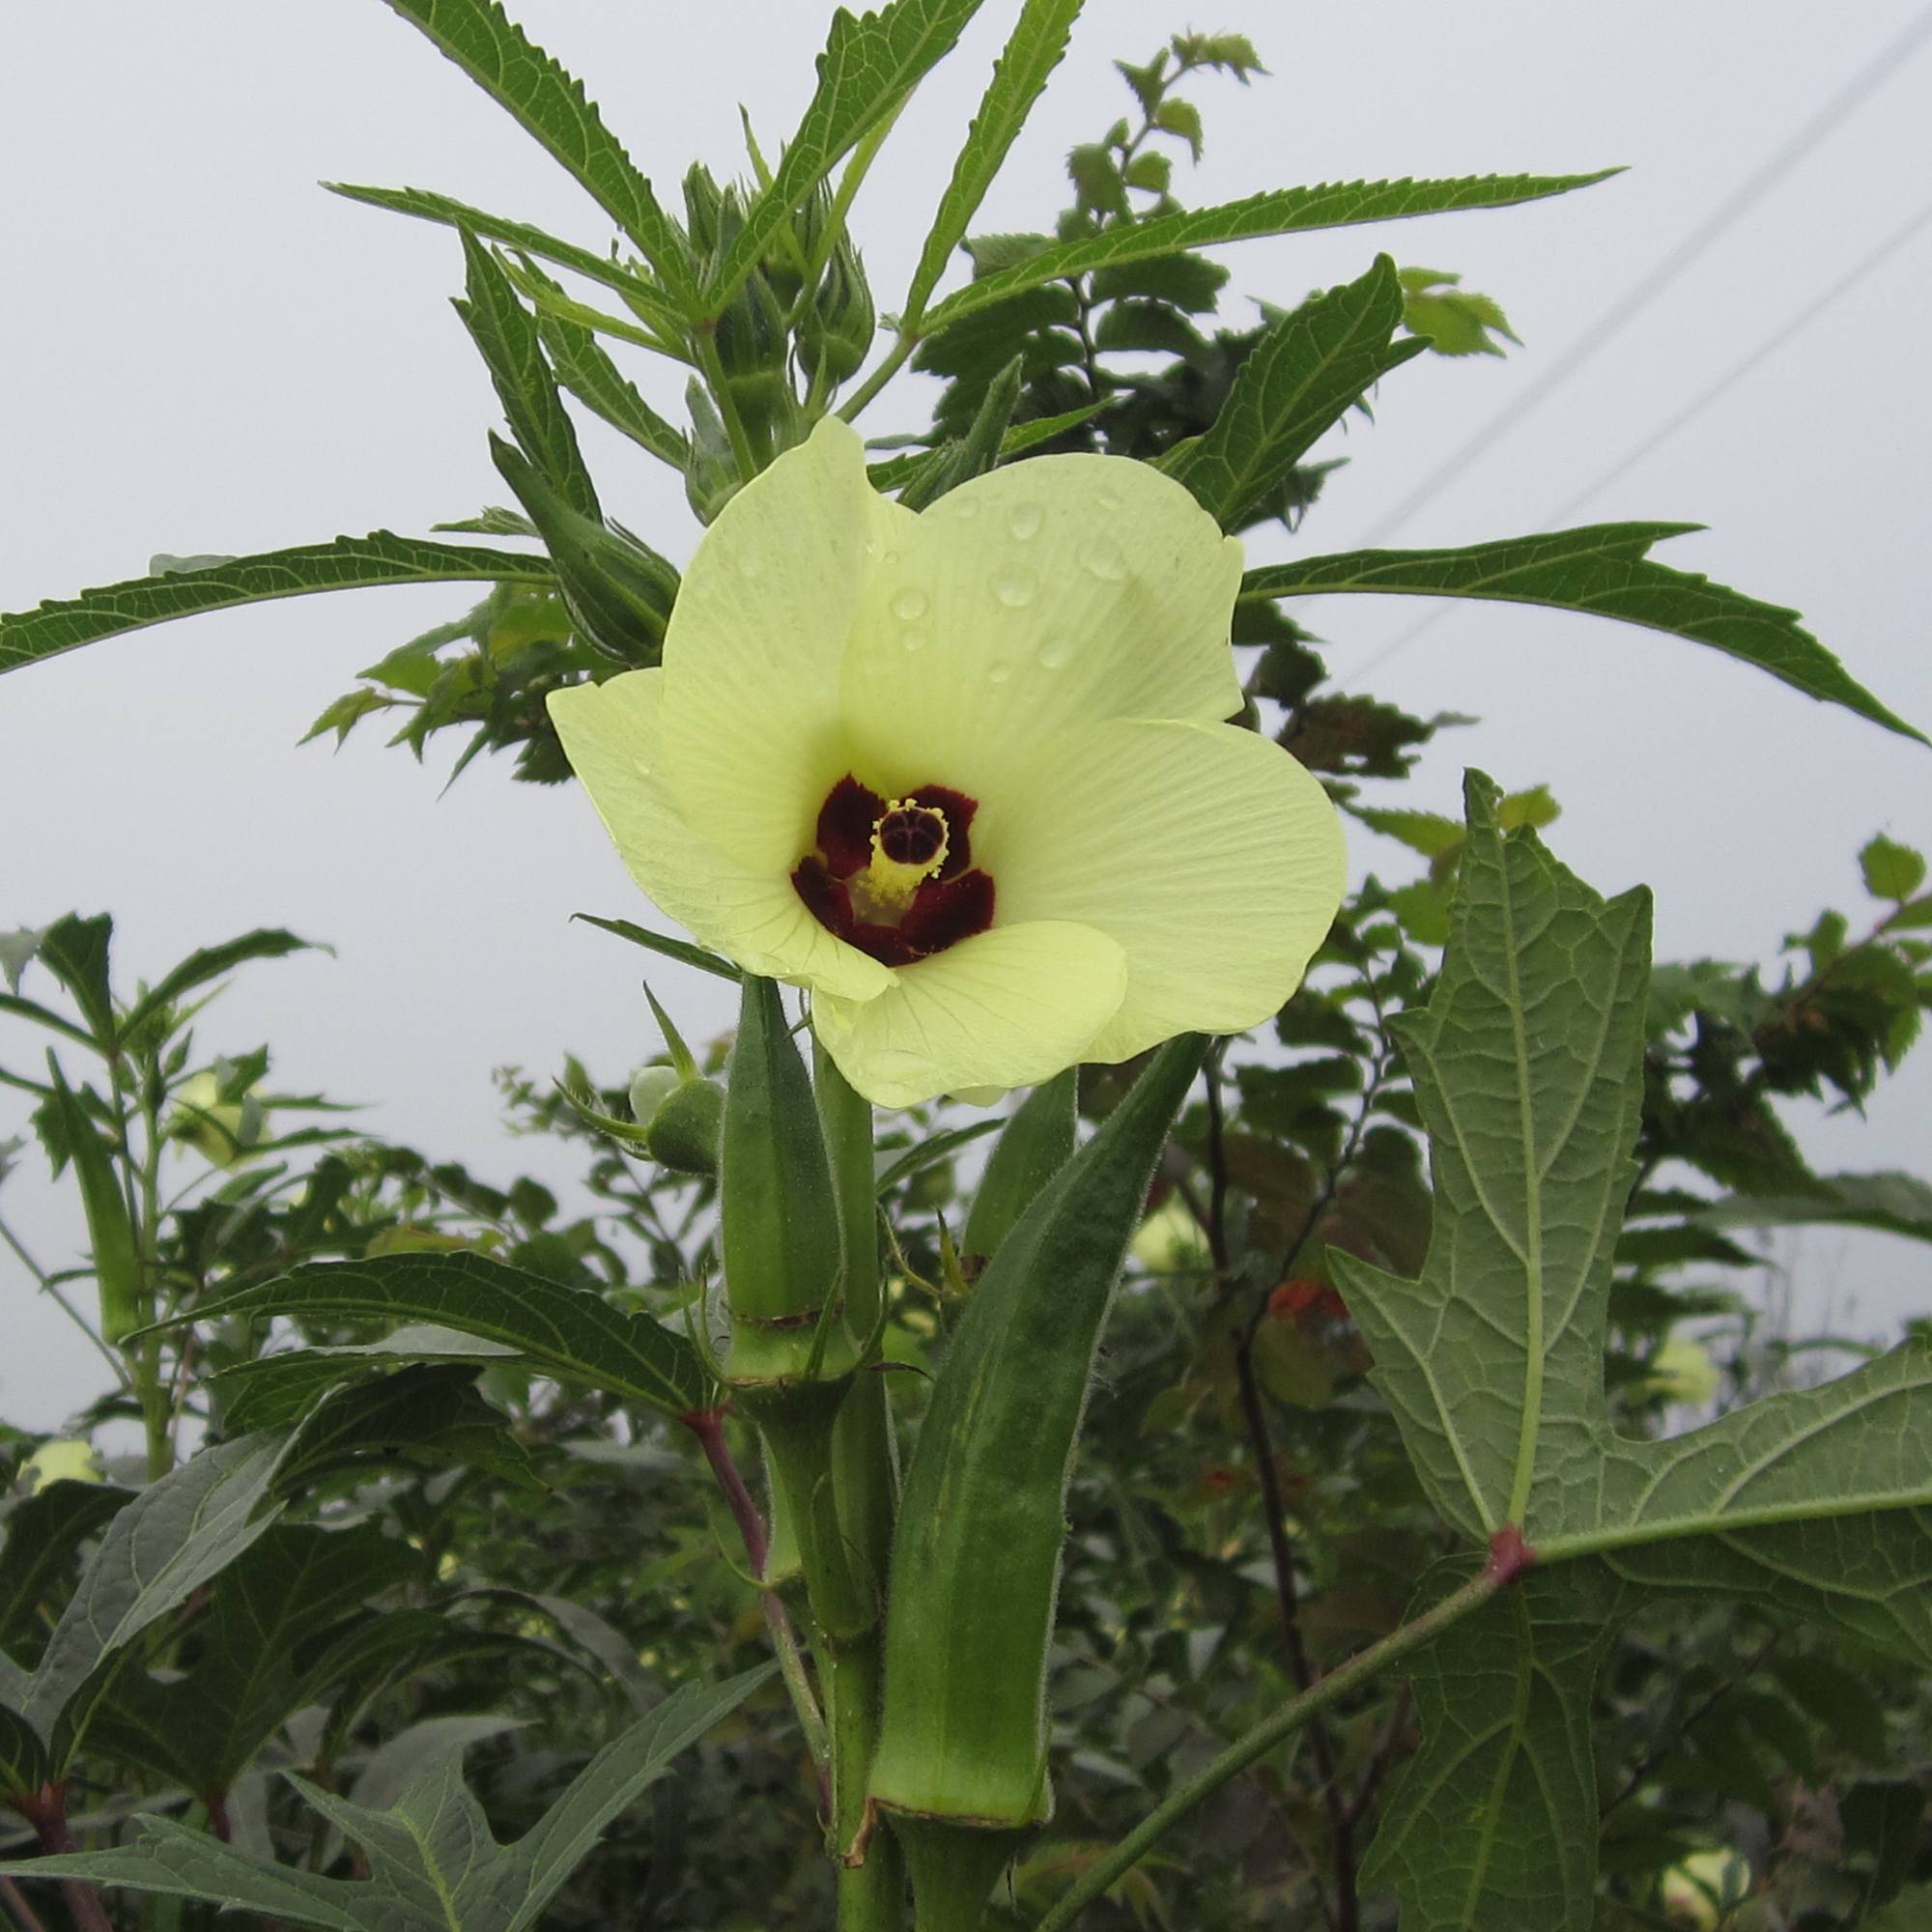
(1001, 671)
(914, 640)
(1055, 652)
(964, 507)
(1024, 521)
(1107, 500)
(909, 604)
(1102, 557)
(1014, 589)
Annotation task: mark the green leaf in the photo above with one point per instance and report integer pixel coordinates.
(1601, 569)
(1891, 872)
(348, 563)
(1897, 1204)
(1305, 373)
(424, 206)
(1527, 1069)
(866, 73)
(549, 104)
(680, 949)
(567, 1332)
(169, 1541)
(505, 335)
(1495, 1822)
(209, 963)
(76, 951)
(433, 1864)
(598, 384)
(44, 1533)
(203, 1729)
(1284, 210)
(1033, 51)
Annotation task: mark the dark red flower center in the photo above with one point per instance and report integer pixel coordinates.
(894, 877)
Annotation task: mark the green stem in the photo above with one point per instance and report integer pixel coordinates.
(856, 402)
(1495, 1575)
(703, 341)
(871, 1892)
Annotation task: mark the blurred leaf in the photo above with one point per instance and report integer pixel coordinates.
(1891, 872)
(429, 1411)
(1601, 569)
(1281, 212)
(348, 563)
(1897, 1204)
(1453, 320)
(44, 1535)
(209, 963)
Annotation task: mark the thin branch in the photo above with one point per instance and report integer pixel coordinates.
(16, 1904)
(1496, 1575)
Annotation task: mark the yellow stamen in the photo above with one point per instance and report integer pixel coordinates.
(909, 845)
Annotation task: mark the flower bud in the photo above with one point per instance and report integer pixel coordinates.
(835, 335)
(619, 592)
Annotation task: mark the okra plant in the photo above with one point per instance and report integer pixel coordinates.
(980, 762)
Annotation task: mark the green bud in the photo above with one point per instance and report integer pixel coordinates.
(780, 1217)
(619, 592)
(711, 213)
(711, 478)
(835, 335)
(684, 1132)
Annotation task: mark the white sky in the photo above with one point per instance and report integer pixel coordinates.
(202, 351)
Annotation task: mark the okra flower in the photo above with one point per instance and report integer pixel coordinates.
(964, 774)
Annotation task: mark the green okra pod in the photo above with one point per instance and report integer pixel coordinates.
(975, 1564)
(1032, 1147)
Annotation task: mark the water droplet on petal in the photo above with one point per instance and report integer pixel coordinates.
(909, 604)
(1055, 652)
(1024, 521)
(914, 640)
(964, 507)
(1014, 589)
(1103, 558)
(1001, 671)
(1107, 500)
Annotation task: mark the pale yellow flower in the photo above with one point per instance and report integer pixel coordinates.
(964, 774)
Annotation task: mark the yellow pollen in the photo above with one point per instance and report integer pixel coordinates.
(909, 845)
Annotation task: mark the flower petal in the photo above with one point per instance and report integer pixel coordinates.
(752, 732)
(1211, 855)
(1033, 599)
(1008, 1007)
(611, 732)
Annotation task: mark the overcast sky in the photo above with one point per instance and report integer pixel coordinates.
(206, 353)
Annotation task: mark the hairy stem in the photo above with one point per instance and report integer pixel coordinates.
(1283, 1723)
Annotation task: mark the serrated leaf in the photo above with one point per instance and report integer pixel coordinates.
(1892, 870)
(598, 384)
(1527, 1069)
(348, 563)
(1601, 569)
(433, 1862)
(866, 73)
(549, 103)
(1032, 52)
(1279, 212)
(169, 1541)
(1495, 1822)
(205, 1727)
(428, 1409)
(1305, 373)
(506, 336)
(76, 951)
(425, 205)
(568, 1332)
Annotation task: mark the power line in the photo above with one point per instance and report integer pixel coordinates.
(1628, 306)
(1736, 374)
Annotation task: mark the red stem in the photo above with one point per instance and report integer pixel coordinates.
(708, 1426)
(46, 1811)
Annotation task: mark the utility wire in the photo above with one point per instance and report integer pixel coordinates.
(1736, 374)
(1628, 306)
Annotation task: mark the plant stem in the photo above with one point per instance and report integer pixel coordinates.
(1496, 1575)
(871, 1881)
(16, 1904)
(46, 1811)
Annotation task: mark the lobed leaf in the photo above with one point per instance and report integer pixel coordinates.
(1305, 373)
(590, 376)
(1601, 569)
(348, 563)
(482, 39)
(1284, 210)
(866, 73)
(567, 1332)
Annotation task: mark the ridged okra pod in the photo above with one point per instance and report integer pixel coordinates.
(975, 1566)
